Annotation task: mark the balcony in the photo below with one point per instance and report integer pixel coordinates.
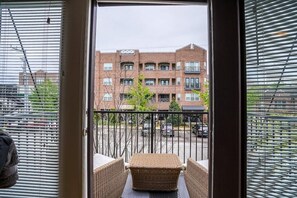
(123, 134)
(189, 88)
(192, 71)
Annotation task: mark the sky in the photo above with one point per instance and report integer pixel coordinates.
(151, 28)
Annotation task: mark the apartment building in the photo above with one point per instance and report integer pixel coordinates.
(169, 75)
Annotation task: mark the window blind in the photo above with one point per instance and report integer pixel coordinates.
(271, 70)
(30, 47)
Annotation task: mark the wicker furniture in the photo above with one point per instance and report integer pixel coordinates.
(155, 172)
(109, 177)
(196, 178)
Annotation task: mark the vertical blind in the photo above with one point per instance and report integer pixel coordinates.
(30, 47)
(271, 60)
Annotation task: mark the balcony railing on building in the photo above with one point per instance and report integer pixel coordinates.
(124, 133)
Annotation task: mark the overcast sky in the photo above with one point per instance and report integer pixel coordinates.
(151, 28)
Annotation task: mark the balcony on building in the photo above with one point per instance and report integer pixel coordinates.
(149, 67)
(164, 66)
(150, 82)
(126, 81)
(164, 98)
(192, 68)
(192, 84)
(164, 82)
(127, 66)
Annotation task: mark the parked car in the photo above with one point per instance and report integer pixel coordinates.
(167, 129)
(146, 129)
(201, 130)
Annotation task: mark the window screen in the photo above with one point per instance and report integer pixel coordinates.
(30, 42)
(271, 49)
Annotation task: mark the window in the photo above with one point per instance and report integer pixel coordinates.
(127, 66)
(164, 66)
(164, 98)
(39, 80)
(107, 81)
(164, 82)
(192, 83)
(149, 82)
(107, 97)
(192, 67)
(30, 110)
(127, 81)
(271, 73)
(149, 66)
(124, 96)
(107, 66)
(178, 81)
(178, 66)
(192, 97)
(178, 96)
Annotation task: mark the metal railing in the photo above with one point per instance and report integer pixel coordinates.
(124, 133)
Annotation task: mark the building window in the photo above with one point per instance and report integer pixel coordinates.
(107, 81)
(164, 82)
(124, 96)
(178, 66)
(39, 80)
(192, 97)
(178, 81)
(204, 65)
(126, 81)
(164, 98)
(192, 66)
(149, 82)
(127, 66)
(107, 97)
(192, 83)
(164, 66)
(149, 66)
(107, 66)
(178, 96)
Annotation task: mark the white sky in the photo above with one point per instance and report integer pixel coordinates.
(151, 28)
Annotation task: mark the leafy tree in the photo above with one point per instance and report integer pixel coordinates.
(175, 119)
(204, 95)
(140, 96)
(45, 97)
(252, 97)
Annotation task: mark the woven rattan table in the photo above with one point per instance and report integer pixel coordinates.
(155, 172)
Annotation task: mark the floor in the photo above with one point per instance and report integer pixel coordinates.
(181, 193)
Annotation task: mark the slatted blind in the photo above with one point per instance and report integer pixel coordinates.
(271, 56)
(30, 43)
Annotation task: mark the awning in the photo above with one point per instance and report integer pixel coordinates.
(126, 107)
(193, 108)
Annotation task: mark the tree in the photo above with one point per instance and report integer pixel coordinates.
(175, 119)
(140, 96)
(45, 97)
(204, 95)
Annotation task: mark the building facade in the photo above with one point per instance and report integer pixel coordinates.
(169, 75)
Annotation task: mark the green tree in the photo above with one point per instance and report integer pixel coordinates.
(45, 97)
(204, 95)
(175, 119)
(140, 96)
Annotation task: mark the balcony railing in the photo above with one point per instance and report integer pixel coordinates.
(123, 133)
(197, 87)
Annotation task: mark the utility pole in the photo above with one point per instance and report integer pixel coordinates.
(25, 80)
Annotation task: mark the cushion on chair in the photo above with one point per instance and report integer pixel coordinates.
(109, 177)
(196, 178)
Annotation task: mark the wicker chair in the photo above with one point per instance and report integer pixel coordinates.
(196, 178)
(110, 179)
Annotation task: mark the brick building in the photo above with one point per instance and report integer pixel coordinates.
(170, 75)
